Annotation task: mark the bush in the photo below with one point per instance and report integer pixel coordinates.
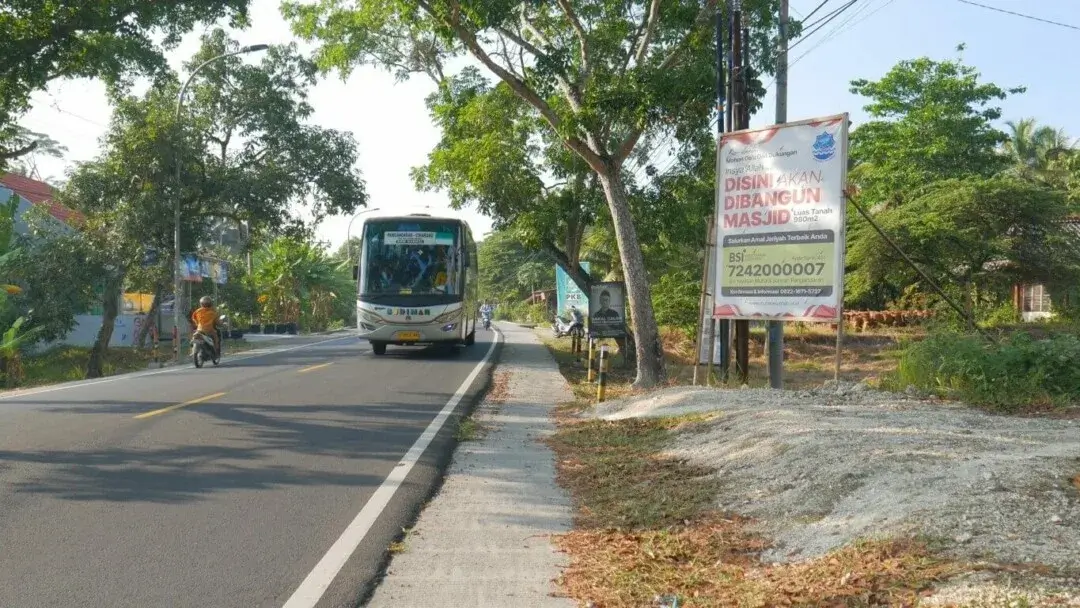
(1019, 371)
(523, 312)
(1002, 315)
(676, 298)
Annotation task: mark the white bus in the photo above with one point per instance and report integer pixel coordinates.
(417, 282)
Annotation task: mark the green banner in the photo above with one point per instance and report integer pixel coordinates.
(779, 264)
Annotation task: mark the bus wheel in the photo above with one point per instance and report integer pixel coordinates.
(379, 348)
(471, 338)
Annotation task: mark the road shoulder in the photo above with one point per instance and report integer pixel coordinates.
(485, 538)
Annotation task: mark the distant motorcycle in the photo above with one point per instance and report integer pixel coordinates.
(487, 321)
(574, 326)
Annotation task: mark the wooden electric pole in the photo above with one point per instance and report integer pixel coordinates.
(776, 328)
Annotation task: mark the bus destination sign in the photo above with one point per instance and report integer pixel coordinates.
(418, 238)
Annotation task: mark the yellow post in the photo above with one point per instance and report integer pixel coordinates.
(589, 376)
(601, 378)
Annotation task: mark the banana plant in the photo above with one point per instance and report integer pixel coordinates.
(12, 337)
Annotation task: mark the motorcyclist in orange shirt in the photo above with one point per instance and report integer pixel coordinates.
(205, 320)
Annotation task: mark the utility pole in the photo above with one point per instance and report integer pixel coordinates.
(776, 328)
(722, 99)
(738, 77)
(725, 122)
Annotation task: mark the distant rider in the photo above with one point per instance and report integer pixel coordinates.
(486, 310)
(205, 320)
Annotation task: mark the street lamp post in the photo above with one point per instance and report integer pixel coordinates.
(348, 232)
(177, 336)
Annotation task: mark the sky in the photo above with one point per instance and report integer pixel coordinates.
(395, 133)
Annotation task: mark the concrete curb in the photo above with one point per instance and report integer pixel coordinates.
(484, 539)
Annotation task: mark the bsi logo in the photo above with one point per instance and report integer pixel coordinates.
(824, 146)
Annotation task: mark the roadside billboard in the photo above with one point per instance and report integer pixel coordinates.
(780, 213)
(567, 292)
(607, 309)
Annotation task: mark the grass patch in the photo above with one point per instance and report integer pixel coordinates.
(1018, 374)
(68, 363)
(618, 480)
(400, 545)
(809, 359)
(470, 430)
(714, 565)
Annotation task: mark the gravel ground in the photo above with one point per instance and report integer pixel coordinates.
(821, 468)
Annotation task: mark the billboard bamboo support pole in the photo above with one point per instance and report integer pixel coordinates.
(710, 246)
(701, 300)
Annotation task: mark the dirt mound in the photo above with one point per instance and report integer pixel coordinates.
(822, 468)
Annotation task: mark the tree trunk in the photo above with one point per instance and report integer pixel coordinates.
(648, 350)
(151, 319)
(111, 308)
(572, 268)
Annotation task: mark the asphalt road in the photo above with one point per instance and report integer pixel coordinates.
(115, 495)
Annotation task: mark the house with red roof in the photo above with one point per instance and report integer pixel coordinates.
(34, 193)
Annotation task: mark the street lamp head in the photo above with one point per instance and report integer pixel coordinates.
(251, 48)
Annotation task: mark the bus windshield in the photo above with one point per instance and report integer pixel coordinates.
(411, 257)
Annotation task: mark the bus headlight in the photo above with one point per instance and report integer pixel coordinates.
(447, 317)
(372, 318)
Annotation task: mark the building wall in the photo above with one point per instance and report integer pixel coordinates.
(21, 227)
(86, 329)
(1033, 302)
(86, 326)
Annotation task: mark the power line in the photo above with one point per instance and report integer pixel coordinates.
(824, 21)
(831, 34)
(655, 155)
(816, 9)
(843, 26)
(55, 105)
(1015, 14)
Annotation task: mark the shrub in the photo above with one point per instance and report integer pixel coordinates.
(1002, 315)
(523, 312)
(676, 298)
(1019, 371)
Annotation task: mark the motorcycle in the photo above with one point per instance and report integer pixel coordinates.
(202, 347)
(487, 321)
(567, 327)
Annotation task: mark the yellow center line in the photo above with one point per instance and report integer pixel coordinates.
(179, 405)
(314, 367)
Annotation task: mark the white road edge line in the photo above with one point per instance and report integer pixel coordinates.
(167, 370)
(318, 581)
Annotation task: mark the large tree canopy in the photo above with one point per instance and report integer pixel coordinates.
(495, 154)
(929, 120)
(262, 152)
(110, 39)
(974, 235)
(601, 76)
(245, 151)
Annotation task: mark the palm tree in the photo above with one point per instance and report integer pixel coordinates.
(1033, 147)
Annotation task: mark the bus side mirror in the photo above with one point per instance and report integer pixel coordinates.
(356, 272)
